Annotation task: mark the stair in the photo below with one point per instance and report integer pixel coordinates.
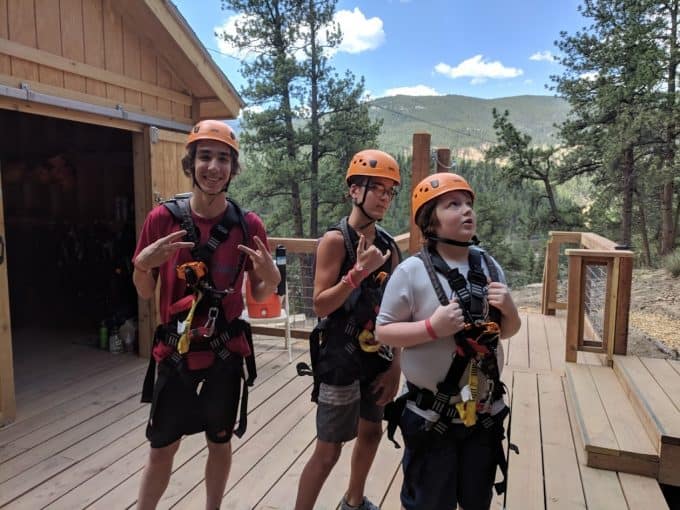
(653, 388)
(612, 434)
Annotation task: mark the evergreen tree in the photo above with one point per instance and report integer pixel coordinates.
(306, 120)
(613, 71)
(522, 161)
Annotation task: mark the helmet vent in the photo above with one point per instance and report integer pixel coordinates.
(373, 163)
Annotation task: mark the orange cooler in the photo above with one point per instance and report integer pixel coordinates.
(269, 308)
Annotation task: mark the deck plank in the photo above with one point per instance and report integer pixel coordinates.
(539, 354)
(68, 455)
(667, 378)
(595, 428)
(525, 477)
(560, 463)
(601, 488)
(518, 356)
(556, 342)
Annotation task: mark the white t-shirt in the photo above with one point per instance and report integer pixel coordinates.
(410, 297)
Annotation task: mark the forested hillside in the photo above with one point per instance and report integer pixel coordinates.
(464, 124)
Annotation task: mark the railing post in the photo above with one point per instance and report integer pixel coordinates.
(443, 160)
(420, 169)
(625, 280)
(550, 277)
(574, 307)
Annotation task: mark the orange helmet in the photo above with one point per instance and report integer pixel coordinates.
(213, 130)
(374, 163)
(435, 185)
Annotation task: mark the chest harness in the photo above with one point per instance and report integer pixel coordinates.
(476, 346)
(180, 334)
(342, 346)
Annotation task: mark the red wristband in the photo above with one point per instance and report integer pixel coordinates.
(430, 329)
(347, 279)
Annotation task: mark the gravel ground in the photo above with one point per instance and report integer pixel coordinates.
(654, 325)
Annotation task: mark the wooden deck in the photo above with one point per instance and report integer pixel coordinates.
(78, 441)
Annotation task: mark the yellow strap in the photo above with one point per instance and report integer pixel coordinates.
(468, 410)
(184, 340)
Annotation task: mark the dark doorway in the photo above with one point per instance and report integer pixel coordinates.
(70, 230)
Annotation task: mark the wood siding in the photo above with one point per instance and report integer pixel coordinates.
(87, 50)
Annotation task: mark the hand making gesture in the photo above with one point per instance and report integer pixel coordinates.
(263, 264)
(161, 250)
(370, 258)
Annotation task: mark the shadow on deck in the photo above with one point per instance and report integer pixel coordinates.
(78, 440)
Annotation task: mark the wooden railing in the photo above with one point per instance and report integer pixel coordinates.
(591, 251)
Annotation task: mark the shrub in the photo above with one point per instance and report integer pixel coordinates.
(672, 263)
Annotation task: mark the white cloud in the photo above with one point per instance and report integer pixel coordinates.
(542, 56)
(230, 28)
(417, 90)
(358, 32)
(590, 76)
(479, 70)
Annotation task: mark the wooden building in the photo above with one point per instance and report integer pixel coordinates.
(95, 99)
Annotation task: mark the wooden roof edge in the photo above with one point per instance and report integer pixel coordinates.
(172, 20)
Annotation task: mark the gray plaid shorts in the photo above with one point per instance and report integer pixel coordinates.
(340, 407)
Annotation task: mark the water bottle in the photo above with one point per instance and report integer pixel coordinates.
(103, 336)
(115, 342)
(280, 257)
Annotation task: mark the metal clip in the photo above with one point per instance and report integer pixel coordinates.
(210, 323)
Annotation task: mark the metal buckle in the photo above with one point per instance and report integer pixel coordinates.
(210, 323)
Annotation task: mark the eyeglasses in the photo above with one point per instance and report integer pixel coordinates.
(383, 191)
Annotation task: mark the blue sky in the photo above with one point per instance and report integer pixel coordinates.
(478, 48)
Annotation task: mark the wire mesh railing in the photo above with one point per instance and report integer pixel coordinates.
(595, 290)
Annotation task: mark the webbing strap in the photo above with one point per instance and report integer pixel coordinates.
(218, 234)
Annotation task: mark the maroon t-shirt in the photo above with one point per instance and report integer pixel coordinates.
(223, 265)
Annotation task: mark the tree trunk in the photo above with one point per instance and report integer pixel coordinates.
(627, 187)
(294, 185)
(557, 218)
(314, 126)
(643, 229)
(667, 193)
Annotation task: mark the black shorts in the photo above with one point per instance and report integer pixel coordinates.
(442, 473)
(185, 406)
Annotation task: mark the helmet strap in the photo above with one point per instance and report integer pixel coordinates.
(473, 241)
(360, 205)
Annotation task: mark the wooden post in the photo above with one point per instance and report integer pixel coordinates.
(443, 160)
(550, 277)
(420, 170)
(625, 279)
(574, 307)
(8, 409)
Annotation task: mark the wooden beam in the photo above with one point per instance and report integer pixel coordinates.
(596, 242)
(420, 169)
(29, 107)
(64, 64)
(43, 88)
(565, 237)
(293, 245)
(187, 41)
(211, 109)
(602, 254)
(7, 397)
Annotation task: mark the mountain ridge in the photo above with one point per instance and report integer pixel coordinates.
(464, 123)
